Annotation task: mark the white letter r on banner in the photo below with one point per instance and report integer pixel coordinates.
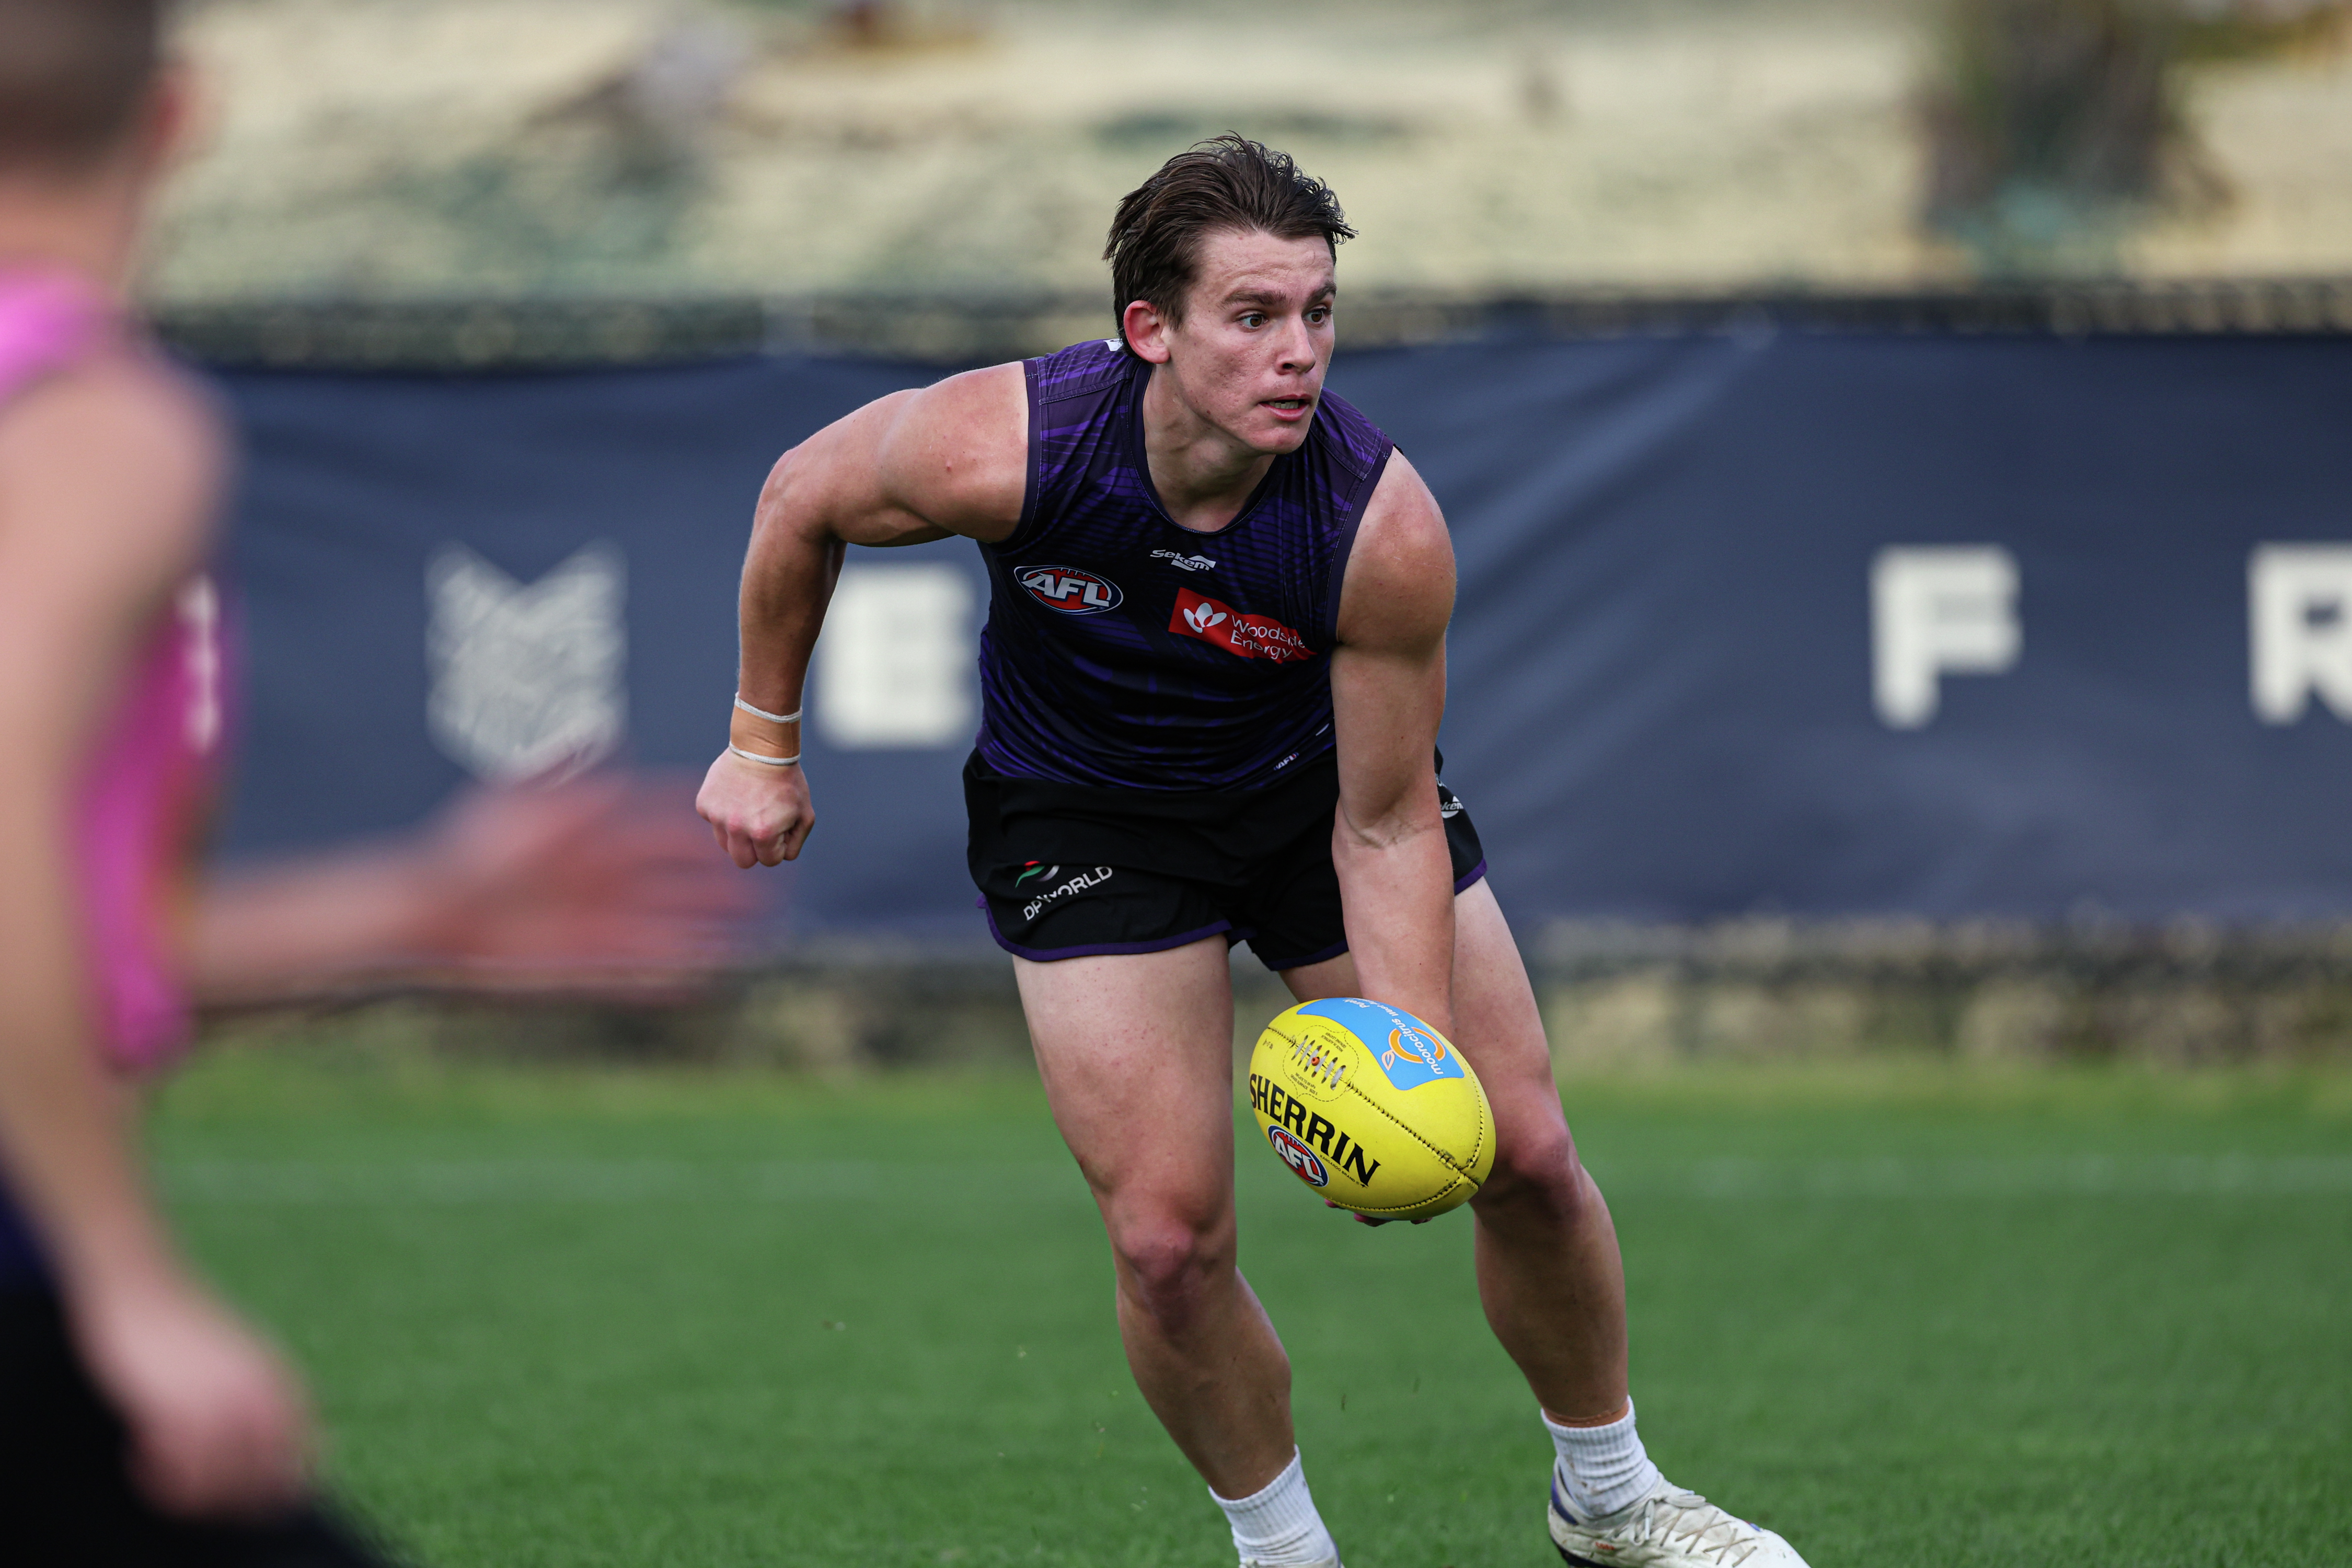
(2300, 612)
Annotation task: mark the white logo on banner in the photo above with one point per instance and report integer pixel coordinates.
(896, 662)
(525, 677)
(1937, 610)
(2299, 613)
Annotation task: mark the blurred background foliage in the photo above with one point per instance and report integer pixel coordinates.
(675, 149)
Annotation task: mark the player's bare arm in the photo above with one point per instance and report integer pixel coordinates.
(1388, 693)
(914, 466)
(107, 480)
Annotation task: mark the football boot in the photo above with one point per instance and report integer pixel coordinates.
(1668, 1528)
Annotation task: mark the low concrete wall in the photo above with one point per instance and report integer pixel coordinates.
(1613, 998)
(2180, 995)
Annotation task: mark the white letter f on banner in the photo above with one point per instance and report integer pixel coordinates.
(1936, 610)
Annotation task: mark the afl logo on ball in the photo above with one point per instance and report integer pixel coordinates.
(1069, 590)
(1298, 1157)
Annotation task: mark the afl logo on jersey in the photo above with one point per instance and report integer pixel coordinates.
(1069, 590)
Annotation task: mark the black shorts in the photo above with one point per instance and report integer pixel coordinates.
(65, 1494)
(1072, 871)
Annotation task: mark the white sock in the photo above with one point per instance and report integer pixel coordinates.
(1601, 1469)
(1280, 1525)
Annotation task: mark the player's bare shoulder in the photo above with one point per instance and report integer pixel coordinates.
(1399, 589)
(122, 455)
(960, 451)
(945, 459)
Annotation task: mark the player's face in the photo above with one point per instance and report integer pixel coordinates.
(1250, 354)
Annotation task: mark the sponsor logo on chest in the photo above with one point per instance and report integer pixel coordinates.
(1245, 636)
(1069, 590)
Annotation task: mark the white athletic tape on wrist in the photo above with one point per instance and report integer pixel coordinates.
(791, 717)
(790, 761)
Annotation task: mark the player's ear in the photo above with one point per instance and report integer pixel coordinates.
(1146, 331)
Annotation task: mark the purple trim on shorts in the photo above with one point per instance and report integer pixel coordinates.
(1100, 948)
(1470, 879)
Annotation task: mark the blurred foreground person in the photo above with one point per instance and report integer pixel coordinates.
(140, 1420)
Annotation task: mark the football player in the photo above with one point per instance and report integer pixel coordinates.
(1212, 678)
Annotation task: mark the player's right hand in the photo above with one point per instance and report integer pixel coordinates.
(218, 1424)
(761, 815)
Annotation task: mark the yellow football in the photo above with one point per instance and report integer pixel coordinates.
(1371, 1107)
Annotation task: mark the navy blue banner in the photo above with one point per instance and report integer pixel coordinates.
(1812, 625)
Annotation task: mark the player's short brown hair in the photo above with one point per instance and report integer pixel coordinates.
(73, 74)
(1226, 183)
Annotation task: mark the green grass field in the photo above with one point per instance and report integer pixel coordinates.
(590, 1317)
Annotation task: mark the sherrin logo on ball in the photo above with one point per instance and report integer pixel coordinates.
(1372, 1108)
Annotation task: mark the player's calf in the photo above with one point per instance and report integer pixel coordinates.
(1209, 1364)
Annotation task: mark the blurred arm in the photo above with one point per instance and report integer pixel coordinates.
(1388, 693)
(262, 933)
(907, 468)
(107, 481)
(599, 885)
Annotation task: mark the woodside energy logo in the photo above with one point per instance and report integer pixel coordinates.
(1250, 636)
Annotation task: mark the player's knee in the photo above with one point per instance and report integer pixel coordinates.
(1172, 1261)
(1538, 1171)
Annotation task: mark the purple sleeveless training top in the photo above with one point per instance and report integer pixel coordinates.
(1125, 651)
(148, 776)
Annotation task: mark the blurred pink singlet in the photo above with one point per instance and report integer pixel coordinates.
(147, 778)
